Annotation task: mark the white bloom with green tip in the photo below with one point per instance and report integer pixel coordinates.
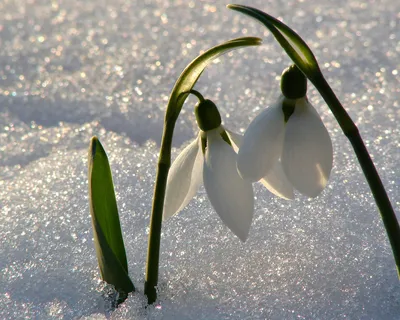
(230, 195)
(296, 153)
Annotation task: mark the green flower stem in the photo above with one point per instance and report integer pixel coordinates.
(178, 95)
(351, 131)
(197, 94)
(153, 253)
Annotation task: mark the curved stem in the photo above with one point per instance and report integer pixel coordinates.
(197, 94)
(350, 130)
(181, 90)
(164, 163)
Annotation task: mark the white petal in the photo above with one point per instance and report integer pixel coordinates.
(236, 139)
(184, 179)
(231, 196)
(261, 146)
(307, 154)
(277, 183)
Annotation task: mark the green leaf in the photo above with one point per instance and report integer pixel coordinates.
(193, 71)
(108, 239)
(290, 41)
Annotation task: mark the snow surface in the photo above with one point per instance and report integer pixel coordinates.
(72, 69)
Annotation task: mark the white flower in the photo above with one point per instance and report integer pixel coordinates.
(230, 195)
(294, 154)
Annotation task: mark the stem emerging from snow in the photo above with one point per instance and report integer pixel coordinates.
(378, 190)
(153, 253)
(181, 90)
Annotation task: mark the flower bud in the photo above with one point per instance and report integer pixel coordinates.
(207, 115)
(293, 83)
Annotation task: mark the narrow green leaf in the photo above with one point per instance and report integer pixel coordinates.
(193, 71)
(110, 249)
(290, 41)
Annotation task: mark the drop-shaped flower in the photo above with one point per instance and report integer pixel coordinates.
(287, 144)
(211, 158)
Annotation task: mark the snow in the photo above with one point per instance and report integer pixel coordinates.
(73, 69)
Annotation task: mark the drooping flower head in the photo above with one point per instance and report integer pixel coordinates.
(287, 145)
(211, 158)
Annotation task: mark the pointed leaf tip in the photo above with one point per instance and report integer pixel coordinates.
(93, 146)
(290, 41)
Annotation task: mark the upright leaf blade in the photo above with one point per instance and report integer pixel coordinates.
(290, 41)
(110, 249)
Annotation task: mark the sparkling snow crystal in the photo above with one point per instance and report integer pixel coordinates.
(73, 69)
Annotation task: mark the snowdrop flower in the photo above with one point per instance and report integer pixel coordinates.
(211, 158)
(287, 144)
